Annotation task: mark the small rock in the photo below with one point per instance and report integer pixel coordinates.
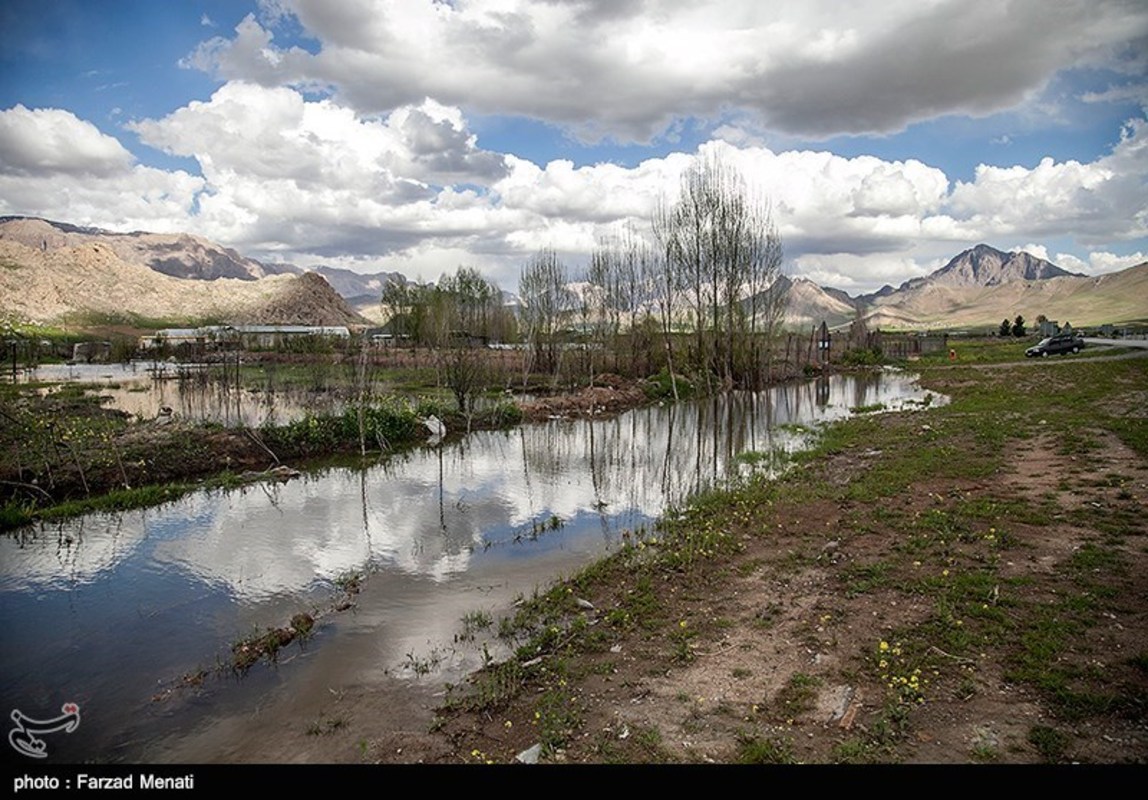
(584, 603)
(529, 755)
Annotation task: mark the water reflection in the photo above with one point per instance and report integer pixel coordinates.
(110, 605)
(199, 392)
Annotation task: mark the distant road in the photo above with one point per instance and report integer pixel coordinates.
(1118, 342)
(1139, 349)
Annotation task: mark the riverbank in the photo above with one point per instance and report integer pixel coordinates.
(65, 454)
(964, 584)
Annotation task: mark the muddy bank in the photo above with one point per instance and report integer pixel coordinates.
(63, 448)
(610, 394)
(917, 593)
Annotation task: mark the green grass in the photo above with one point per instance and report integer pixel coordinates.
(986, 350)
(1050, 743)
(754, 749)
(798, 696)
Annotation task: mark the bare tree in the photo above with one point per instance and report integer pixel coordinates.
(624, 268)
(465, 310)
(546, 301)
(724, 253)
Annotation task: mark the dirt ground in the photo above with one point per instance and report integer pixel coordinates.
(785, 649)
(788, 657)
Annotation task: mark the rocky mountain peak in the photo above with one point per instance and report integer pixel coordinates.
(308, 300)
(986, 266)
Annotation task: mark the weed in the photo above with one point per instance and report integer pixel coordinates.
(489, 689)
(856, 750)
(472, 622)
(1049, 742)
(891, 724)
(557, 716)
(349, 582)
(680, 636)
(1140, 661)
(424, 665)
(15, 514)
(322, 727)
(985, 752)
(758, 750)
(649, 738)
(864, 578)
(904, 681)
(247, 652)
(799, 695)
(863, 357)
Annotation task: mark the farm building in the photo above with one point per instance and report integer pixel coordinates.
(220, 337)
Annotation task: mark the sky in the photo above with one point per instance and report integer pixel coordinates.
(886, 136)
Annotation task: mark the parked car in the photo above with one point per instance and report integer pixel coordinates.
(1057, 345)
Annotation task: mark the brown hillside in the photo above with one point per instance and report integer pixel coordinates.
(1115, 297)
(56, 284)
(306, 300)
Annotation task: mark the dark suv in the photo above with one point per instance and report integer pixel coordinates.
(1060, 344)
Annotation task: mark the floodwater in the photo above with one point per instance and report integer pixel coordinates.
(199, 393)
(108, 611)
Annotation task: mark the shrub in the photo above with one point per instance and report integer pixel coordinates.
(661, 386)
(863, 357)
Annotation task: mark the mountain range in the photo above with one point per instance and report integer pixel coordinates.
(49, 270)
(978, 288)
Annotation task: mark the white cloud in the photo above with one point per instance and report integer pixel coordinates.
(630, 70)
(275, 134)
(1132, 92)
(1095, 202)
(142, 198)
(39, 141)
(1099, 263)
(288, 175)
(56, 165)
(313, 181)
(1038, 250)
(858, 274)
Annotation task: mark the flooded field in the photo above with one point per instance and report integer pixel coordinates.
(109, 611)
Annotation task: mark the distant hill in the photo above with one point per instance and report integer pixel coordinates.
(355, 286)
(983, 285)
(306, 300)
(979, 266)
(52, 269)
(980, 287)
(810, 304)
(49, 272)
(179, 255)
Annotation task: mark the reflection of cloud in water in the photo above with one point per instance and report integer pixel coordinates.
(426, 512)
(62, 556)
